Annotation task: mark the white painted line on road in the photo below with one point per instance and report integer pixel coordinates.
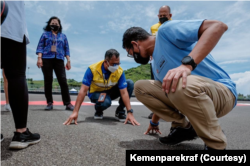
(243, 103)
(117, 103)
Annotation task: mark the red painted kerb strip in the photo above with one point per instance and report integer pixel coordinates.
(3, 8)
(45, 103)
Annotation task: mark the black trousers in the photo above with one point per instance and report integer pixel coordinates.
(13, 61)
(58, 66)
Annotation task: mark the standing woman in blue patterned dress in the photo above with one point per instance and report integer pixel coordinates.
(52, 48)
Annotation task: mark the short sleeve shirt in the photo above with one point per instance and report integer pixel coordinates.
(14, 26)
(175, 40)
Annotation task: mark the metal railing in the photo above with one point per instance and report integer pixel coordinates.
(55, 89)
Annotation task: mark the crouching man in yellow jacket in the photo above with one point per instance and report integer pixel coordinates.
(105, 81)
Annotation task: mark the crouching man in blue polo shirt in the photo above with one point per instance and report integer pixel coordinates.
(105, 81)
(190, 89)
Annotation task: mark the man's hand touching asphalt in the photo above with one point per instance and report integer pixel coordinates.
(131, 118)
(152, 130)
(72, 117)
(173, 77)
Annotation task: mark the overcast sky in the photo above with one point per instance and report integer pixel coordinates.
(92, 27)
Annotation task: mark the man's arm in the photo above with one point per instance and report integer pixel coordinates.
(83, 91)
(155, 118)
(126, 101)
(152, 129)
(209, 34)
(125, 98)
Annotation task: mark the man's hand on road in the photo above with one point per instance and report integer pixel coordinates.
(152, 130)
(73, 116)
(131, 118)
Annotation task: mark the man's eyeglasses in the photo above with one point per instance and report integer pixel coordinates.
(114, 64)
(130, 56)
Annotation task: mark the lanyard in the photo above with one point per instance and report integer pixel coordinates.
(54, 39)
(106, 85)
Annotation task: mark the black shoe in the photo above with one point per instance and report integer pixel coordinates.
(2, 137)
(23, 140)
(98, 115)
(69, 107)
(49, 106)
(120, 116)
(178, 135)
(208, 148)
(150, 115)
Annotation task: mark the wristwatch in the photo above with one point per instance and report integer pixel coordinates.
(188, 60)
(131, 111)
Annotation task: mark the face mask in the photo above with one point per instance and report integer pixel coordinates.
(139, 59)
(112, 69)
(54, 27)
(163, 19)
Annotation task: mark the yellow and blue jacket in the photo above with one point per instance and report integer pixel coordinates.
(100, 80)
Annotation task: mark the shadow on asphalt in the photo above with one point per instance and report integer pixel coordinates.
(105, 121)
(6, 153)
(143, 144)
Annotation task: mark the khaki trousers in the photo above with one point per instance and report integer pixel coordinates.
(202, 102)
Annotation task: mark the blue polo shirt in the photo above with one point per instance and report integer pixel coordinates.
(88, 77)
(175, 40)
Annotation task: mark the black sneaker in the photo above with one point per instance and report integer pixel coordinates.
(49, 106)
(2, 137)
(98, 115)
(120, 116)
(23, 140)
(69, 107)
(208, 148)
(150, 115)
(178, 135)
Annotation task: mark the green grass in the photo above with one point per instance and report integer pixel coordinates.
(39, 84)
(141, 72)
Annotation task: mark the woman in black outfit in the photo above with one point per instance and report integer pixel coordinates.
(52, 48)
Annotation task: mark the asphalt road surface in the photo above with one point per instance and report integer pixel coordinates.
(101, 142)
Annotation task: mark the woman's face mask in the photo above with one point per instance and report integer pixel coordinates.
(54, 27)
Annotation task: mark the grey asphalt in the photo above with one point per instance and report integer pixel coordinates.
(101, 142)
